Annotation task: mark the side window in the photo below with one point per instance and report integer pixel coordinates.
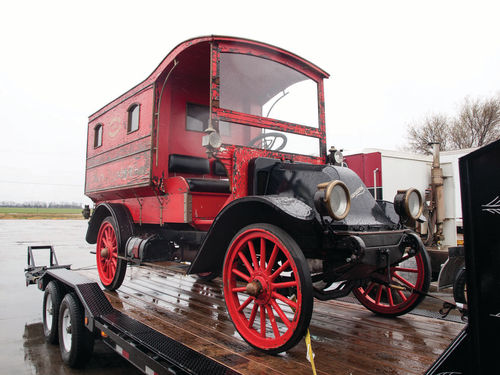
(133, 118)
(98, 135)
(197, 119)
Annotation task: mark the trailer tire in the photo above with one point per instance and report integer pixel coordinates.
(76, 342)
(110, 266)
(460, 287)
(52, 298)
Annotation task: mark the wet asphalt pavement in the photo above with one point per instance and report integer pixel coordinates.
(24, 350)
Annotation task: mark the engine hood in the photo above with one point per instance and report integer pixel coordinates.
(301, 180)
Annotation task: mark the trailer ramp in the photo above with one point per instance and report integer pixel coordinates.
(149, 350)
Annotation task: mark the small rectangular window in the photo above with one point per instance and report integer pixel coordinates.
(133, 118)
(98, 136)
(197, 119)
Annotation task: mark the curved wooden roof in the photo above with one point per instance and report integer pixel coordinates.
(278, 53)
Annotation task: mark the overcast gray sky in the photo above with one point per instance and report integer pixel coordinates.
(391, 63)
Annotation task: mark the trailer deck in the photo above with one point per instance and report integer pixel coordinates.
(346, 338)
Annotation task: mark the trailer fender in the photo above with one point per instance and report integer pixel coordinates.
(288, 213)
(119, 212)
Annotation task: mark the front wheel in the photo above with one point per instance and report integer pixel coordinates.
(110, 267)
(75, 341)
(267, 288)
(411, 279)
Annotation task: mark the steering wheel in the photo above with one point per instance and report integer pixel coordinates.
(269, 139)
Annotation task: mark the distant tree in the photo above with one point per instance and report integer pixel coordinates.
(477, 124)
(435, 128)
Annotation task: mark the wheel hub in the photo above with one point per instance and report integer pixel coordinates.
(254, 288)
(260, 289)
(105, 252)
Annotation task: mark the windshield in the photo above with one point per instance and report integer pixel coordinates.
(267, 139)
(265, 88)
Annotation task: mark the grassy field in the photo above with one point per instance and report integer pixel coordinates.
(40, 213)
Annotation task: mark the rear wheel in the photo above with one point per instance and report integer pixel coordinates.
(111, 268)
(52, 298)
(411, 274)
(75, 341)
(267, 288)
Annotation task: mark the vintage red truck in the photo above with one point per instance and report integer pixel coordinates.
(219, 159)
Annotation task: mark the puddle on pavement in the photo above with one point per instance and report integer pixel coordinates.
(43, 358)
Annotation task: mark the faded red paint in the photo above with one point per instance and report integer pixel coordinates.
(132, 168)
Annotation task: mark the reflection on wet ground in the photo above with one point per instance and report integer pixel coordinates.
(43, 358)
(347, 338)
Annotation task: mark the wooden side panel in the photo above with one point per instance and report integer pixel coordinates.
(177, 205)
(124, 173)
(123, 160)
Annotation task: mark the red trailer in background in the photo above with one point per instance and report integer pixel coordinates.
(219, 159)
(369, 168)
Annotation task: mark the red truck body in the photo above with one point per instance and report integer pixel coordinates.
(132, 167)
(218, 159)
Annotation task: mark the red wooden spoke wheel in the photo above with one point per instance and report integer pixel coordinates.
(111, 268)
(412, 273)
(267, 288)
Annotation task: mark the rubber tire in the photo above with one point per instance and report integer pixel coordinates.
(121, 267)
(54, 291)
(82, 340)
(419, 298)
(459, 286)
(305, 280)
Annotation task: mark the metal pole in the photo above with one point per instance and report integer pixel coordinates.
(437, 187)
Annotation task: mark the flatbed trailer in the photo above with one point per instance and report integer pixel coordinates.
(164, 321)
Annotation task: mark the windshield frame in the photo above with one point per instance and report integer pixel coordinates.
(223, 114)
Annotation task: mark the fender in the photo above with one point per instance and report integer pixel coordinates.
(282, 211)
(122, 216)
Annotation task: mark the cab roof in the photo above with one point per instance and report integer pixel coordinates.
(240, 44)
